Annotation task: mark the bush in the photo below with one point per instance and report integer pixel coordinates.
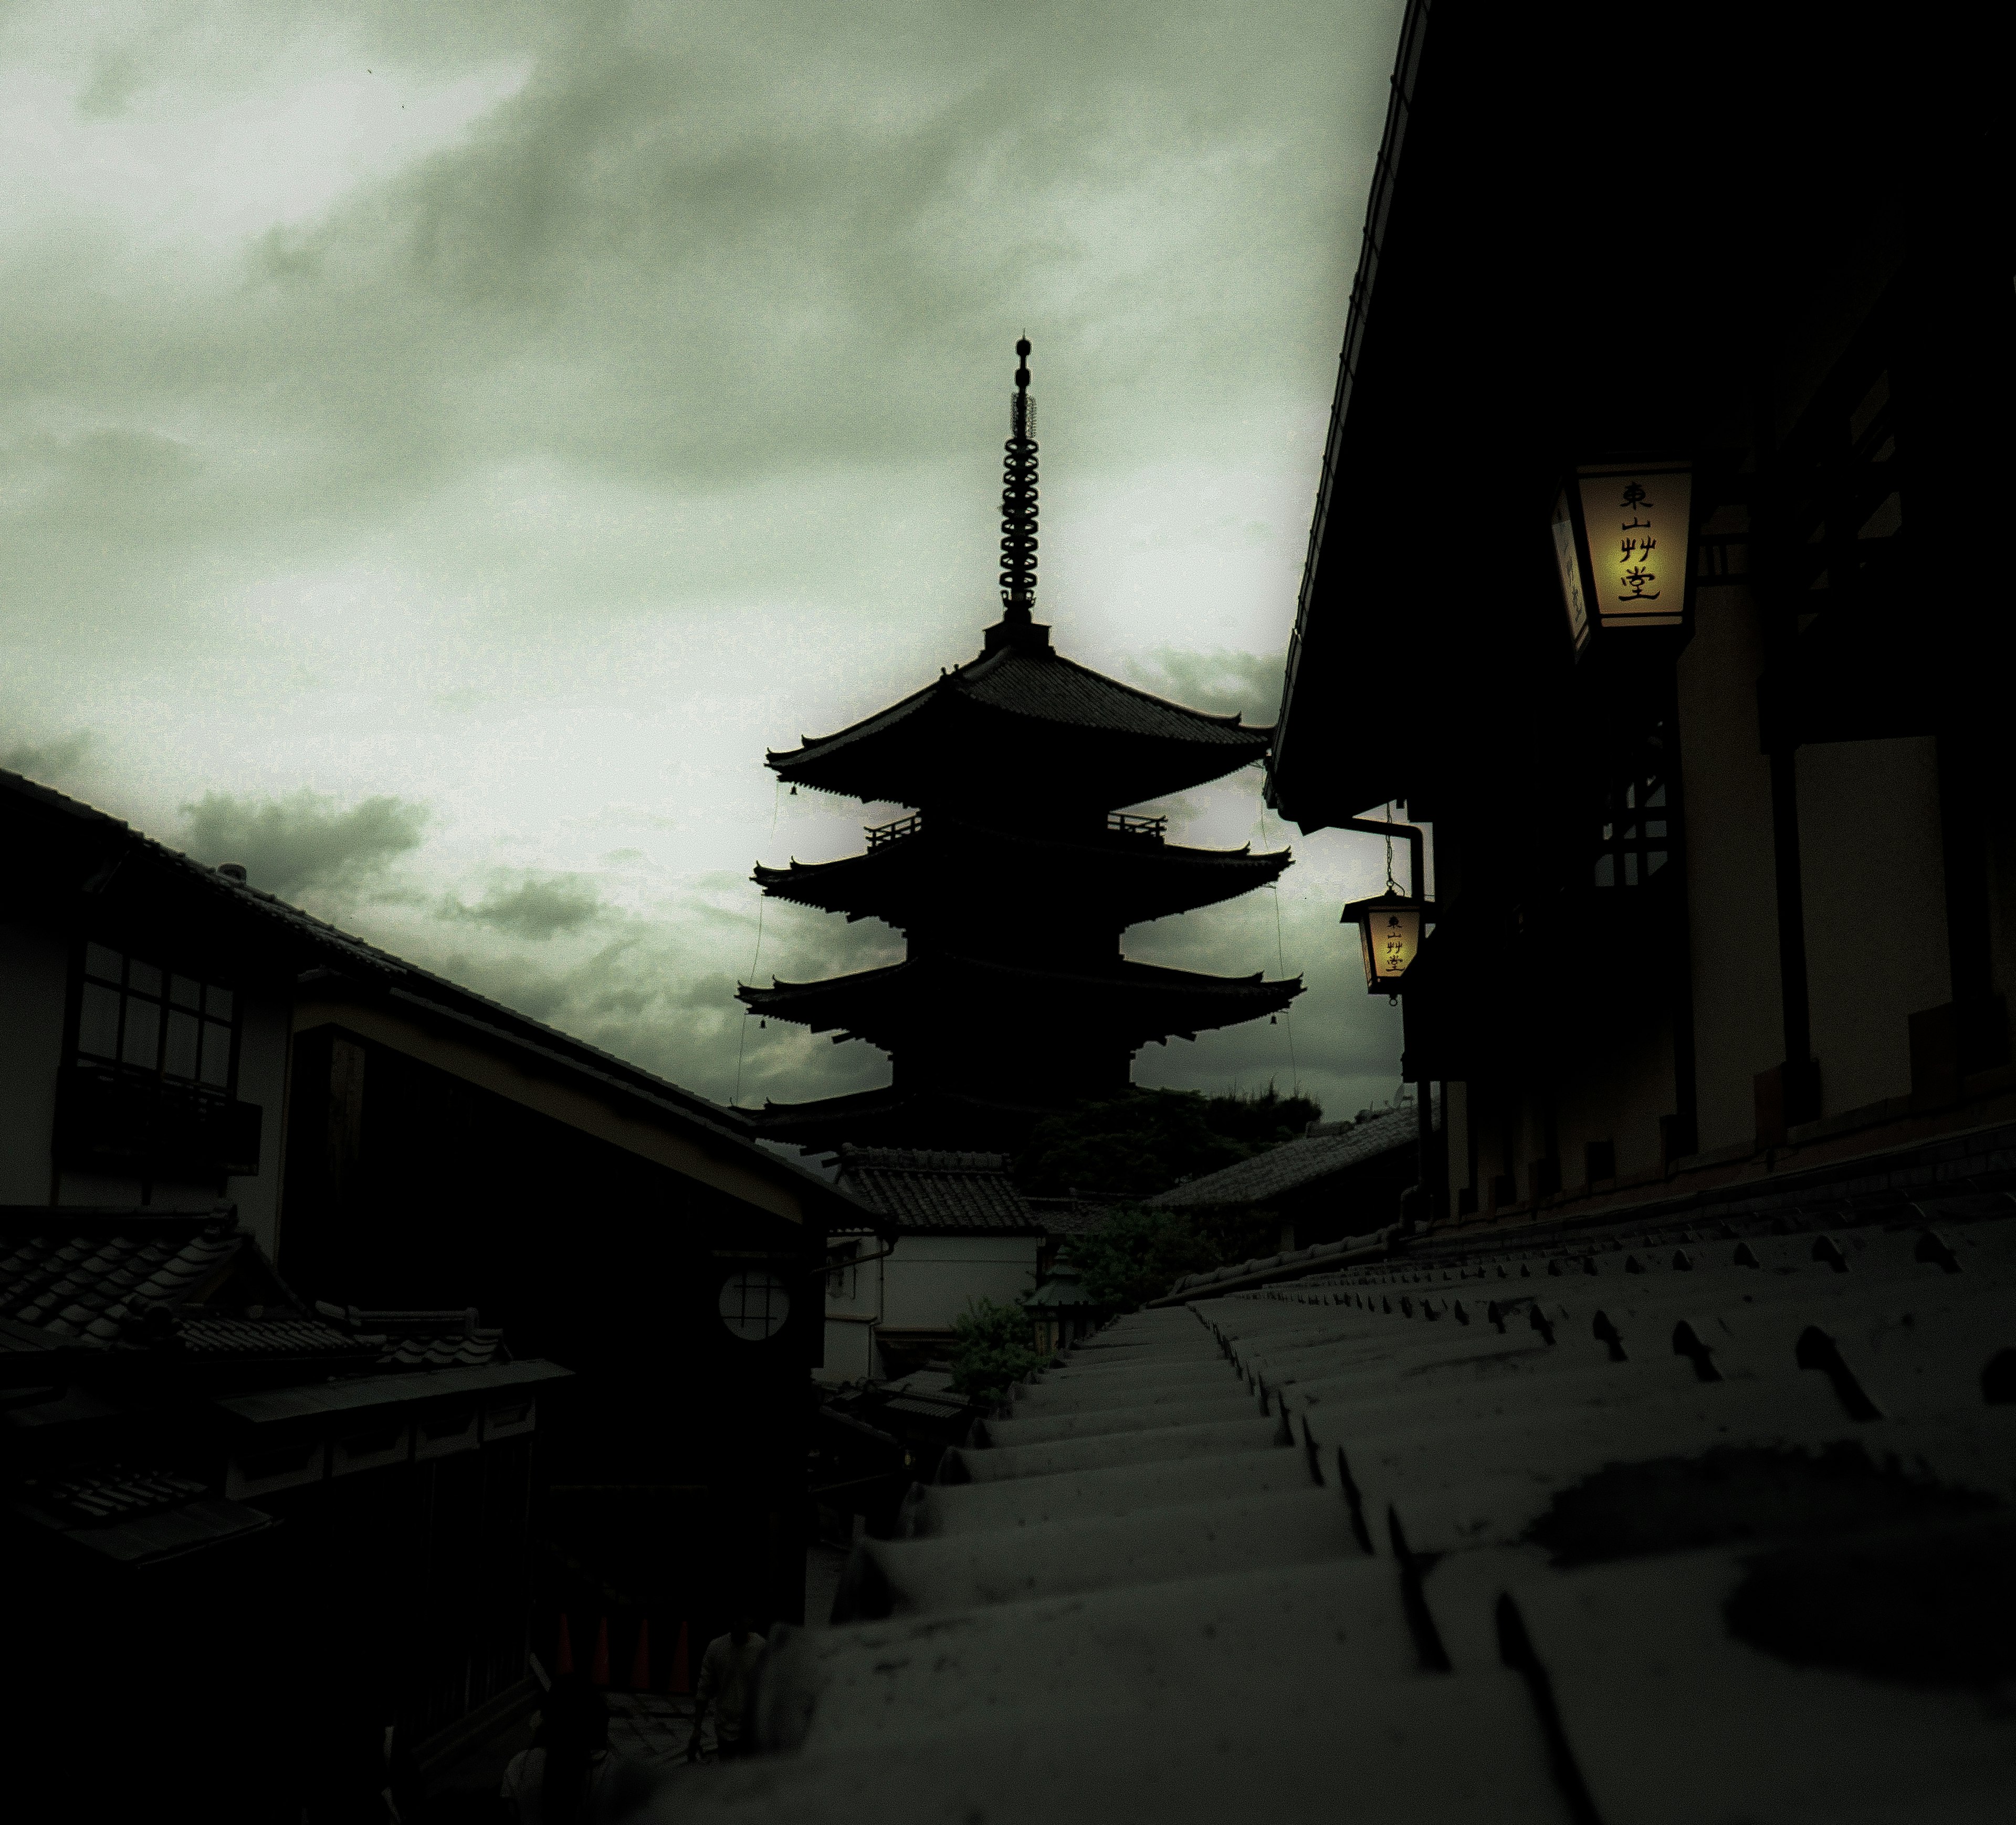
(1139, 1256)
(1146, 1141)
(993, 1345)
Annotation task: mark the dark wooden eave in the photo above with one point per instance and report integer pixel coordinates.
(1129, 877)
(1137, 1002)
(1030, 721)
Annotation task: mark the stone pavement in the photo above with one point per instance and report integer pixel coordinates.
(651, 1726)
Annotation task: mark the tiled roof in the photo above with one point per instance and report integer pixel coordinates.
(290, 1335)
(1292, 1164)
(87, 1279)
(453, 1339)
(1140, 878)
(1048, 688)
(1667, 1527)
(1147, 999)
(85, 1494)
(144, 1280)
(925, 1190)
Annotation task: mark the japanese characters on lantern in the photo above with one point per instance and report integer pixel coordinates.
(1637, 523)
(1389, 932)
(1628, 567)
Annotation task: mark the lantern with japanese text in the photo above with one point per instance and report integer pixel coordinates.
(1624, 542)
(1389, 929)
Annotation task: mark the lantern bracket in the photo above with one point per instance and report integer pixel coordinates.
(1418, 883)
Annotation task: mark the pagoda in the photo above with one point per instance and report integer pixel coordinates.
(1013, 879)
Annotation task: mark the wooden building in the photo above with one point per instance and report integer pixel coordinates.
(1723, 853)
(280, 1529)
(178, 1037)
(1013, 880)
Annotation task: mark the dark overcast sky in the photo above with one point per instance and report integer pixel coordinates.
(442, 446)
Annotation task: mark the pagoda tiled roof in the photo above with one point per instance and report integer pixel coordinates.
(1148, 878)
(1175, 1001)
(1028, 713)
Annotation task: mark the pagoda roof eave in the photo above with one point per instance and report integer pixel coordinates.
(1129, 869)
(1052, 699)
(1159, 1001)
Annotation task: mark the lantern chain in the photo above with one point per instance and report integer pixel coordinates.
(1391, 886)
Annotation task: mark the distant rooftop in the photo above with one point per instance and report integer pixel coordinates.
(1330, 1147)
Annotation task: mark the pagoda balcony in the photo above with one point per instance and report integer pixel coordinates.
(916, 869)
(878, 835)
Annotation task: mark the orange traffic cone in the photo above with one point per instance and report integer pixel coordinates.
(564, 1652)
(640, 1668)
(682, 1680)
(599, 1672)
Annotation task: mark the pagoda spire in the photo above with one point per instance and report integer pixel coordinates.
(1018, 506)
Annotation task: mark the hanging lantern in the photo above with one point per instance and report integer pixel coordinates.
(1624, 542)
(1389, 931)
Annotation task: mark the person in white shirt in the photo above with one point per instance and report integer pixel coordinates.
(727, 1678)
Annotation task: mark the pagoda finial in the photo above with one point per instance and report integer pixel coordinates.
(1018, 500)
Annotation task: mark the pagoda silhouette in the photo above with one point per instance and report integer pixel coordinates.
(1013, 879)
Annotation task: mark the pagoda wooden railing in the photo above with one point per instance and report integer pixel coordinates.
(1127, 823)
(878, 834)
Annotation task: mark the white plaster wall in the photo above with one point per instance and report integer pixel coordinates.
(1732, 888)
(34, 975)
(264, 1044)
(850, 1352)
(1873, 875)
(929, 1279)
(856, 1290)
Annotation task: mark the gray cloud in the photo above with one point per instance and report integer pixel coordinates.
(49, 762)
(304, 844)
(1221, 681)
(694, 248)
(535, 906)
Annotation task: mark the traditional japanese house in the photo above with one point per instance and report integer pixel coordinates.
(1013, 879)
(1670, 545)
(178, 1037)
(307, 1524)
(940, 1229)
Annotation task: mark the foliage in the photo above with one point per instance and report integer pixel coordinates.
(993, 1344)
(1139, 1255)
(1144, 1142)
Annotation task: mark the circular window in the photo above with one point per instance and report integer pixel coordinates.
(755, 1304)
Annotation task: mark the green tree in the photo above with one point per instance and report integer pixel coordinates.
(993, 1345)
(1134, 1144)
(1139, 1255)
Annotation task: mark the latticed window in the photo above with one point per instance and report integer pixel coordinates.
(146, 1019)
(754, 1306)
(1636, 844)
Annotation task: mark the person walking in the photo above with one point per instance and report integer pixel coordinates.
(727, 1679)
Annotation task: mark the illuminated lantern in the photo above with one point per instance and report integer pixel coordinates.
(1389, 929)
(1623, 540)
